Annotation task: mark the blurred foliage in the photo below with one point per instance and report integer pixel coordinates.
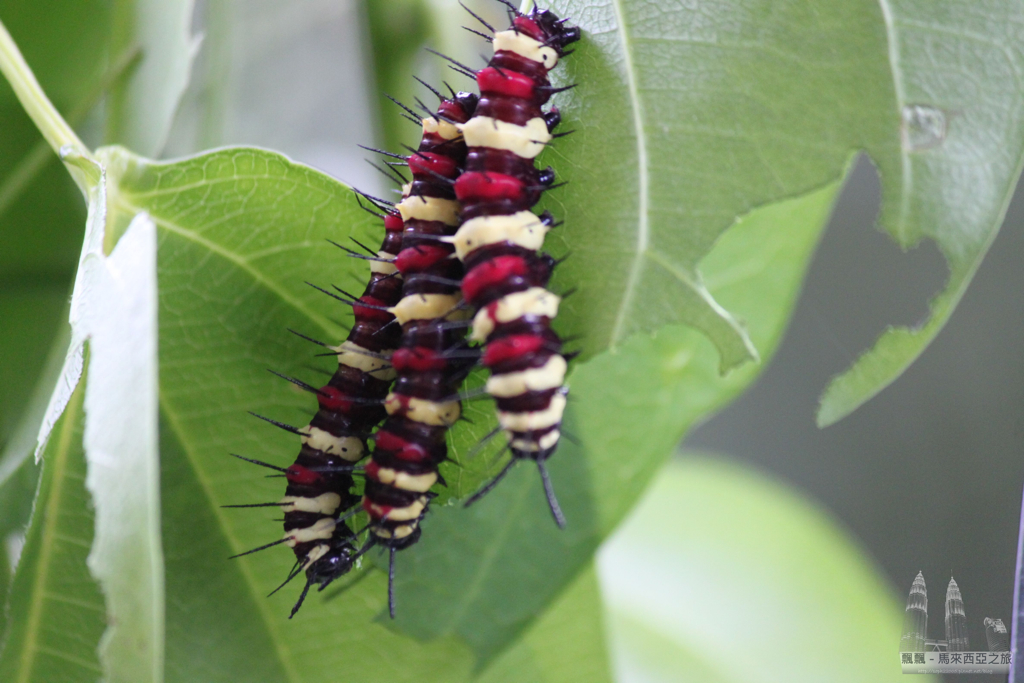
(41, 213)
(765, 588)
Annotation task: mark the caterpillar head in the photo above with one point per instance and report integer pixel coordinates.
(334, 564)
(545, 26)
(460, 107)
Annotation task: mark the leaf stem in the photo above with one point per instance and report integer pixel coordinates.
(25, 171)
(37, 105)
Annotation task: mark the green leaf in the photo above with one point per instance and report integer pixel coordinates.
(231, 282)
(482, 572)
(19, 482)
(564, 644)
(56, 613)
(754, 583)
(956, 70)
(121, 450)
(690, 115)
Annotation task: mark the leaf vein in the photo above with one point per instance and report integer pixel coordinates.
(643, 227)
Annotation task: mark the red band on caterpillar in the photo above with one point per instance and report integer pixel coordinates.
(488, 187)
(491, 81)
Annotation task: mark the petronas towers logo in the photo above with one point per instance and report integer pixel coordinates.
(921, 654)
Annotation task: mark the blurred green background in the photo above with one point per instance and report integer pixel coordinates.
(928, 474)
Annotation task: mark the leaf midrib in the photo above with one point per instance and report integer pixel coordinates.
(283, 653)
(51, 518)
(889, 19)
(643, 227)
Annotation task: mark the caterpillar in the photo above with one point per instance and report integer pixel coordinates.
(320, 496)
(431, 361)
(499, 238)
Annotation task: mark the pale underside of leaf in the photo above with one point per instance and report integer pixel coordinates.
(121, 451)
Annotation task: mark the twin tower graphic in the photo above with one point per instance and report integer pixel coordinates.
(915, 623)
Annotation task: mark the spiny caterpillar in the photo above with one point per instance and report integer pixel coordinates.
(319, 497)
(499, 238)
(431, 362)
(462, 236)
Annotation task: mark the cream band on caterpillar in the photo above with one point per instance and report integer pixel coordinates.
(349, 447)
(443, 129)
(403, 514)
(523, 228)
(535, 301)
(525, 46)
(425, 307)
(324, 504)
(321, 529)
(315, 554)
(400, 532)
(551, 375)
(524, 141)
(536, 420)
(535, 446)
(420, 208)
(386, 265)
(433, 413)
(374, 364)
(417, 483)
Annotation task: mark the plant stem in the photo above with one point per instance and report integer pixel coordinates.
(25, 171)
(37, 105)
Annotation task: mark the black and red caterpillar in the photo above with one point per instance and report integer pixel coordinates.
(431, 361)
(499, 238)
(319, 496)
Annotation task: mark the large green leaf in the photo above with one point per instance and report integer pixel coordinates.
(56, 613)
(239, 232)
(230, 283)
(754, 584)
(690, 114)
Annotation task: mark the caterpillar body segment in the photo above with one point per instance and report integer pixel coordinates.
(506, 276)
